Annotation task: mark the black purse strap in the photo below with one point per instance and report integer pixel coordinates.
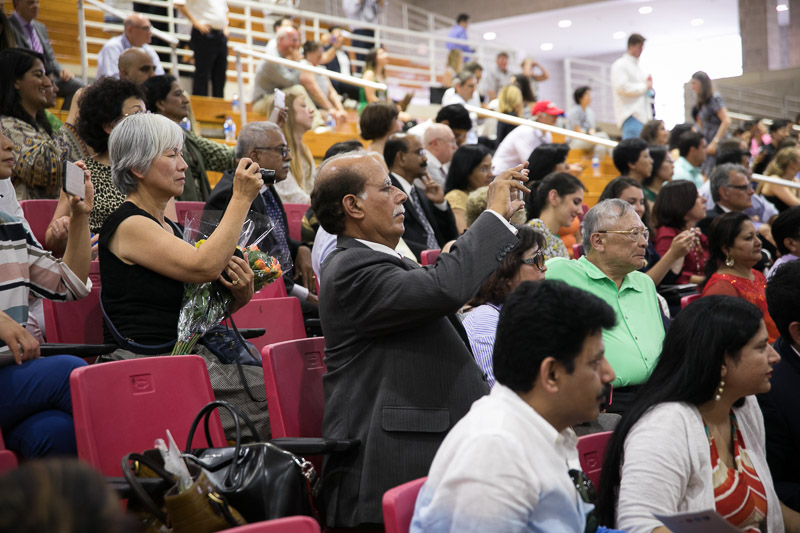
(239, 368)
(233, 479)
(141, 495)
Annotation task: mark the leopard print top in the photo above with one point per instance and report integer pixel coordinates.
(107, 197)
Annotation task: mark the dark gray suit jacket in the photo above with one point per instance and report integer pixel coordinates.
(399, 376)
(51, 63)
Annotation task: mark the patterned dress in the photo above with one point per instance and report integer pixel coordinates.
(38, 158)
(554, 246)
(738, 492)
(754, 291)
(107, 198)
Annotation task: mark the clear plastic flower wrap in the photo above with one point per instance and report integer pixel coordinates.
(206, 304)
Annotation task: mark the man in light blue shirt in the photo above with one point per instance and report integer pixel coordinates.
(459, 31)
(137, 32)
(692, 149)
(511, 464)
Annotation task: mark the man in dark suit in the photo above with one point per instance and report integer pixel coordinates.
(32, 34)
(779, 405)
(264, 143)
(399, 371)
(429, 221)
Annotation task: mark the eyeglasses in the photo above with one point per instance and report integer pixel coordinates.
(635, 234)
(740, 187)
(537, 260)
(282, 149)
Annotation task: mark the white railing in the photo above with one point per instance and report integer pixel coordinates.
(423, 54)
(746, 118)
(242, 51)
(597, 75)
(775, 181)
(759, 103)
(502, 117)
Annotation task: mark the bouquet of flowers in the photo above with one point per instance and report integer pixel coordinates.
(205, 305)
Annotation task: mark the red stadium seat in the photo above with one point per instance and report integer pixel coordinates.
(591, 449)
(428, 257)
(39, 213)
(294, 216)
(78, 322)
(280, 317)
(577, 251)
(276, 289)
(686, 300)
(183, 207)
(8, 460)
(293, 373)
(398, 506)
(123, 406)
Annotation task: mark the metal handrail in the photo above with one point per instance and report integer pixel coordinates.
(775, 181)
(745, 118)
(242, 50)
(508, 119)
(434, 44)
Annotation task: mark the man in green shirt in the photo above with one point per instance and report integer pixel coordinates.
(615, 240)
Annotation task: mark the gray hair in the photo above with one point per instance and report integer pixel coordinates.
(136, 142)
(253, 133)
(721, 177)
(283, 31)
(603, 215)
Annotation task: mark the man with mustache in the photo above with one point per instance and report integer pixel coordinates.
(264, 143)
(429, 221)
(399, 371)
(615, 240)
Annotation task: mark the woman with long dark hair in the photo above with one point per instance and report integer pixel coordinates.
(554, 203)
(374, 70)
(694, 438)
(39, 151)
(712, 116)
(733, 250)
(470, 169)
(677, 209)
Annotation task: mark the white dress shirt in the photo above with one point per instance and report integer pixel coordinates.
(517, 147)
(108, 58)
(211, 12)
(630, 90)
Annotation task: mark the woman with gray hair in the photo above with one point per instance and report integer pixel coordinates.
(144, 261)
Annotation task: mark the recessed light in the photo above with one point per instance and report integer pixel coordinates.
(546, 47)
(696, 22)
(566, 23)
(645, 10)
(619, 35)
(781, 7)
(489, 36)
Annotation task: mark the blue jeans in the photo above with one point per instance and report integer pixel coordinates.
(36, 406)
(631, 128)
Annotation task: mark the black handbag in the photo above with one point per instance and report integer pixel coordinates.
(261, 480)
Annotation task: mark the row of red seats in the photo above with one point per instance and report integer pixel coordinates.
(39, 213)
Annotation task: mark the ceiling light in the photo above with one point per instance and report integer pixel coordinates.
(619, 35)
(781, 7)
(489, 36)
(546, 47)
(566, 23)
(645, 10)
(696, 22)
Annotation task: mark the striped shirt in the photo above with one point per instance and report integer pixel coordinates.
(481, 326)
(25, 268)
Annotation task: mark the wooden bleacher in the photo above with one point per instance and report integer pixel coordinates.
(61, 19)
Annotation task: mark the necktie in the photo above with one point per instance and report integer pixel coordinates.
(36, 45)
(430, 236)
(276, 215)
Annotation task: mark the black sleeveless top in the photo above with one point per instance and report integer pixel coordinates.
(778, 203)
(143, 305)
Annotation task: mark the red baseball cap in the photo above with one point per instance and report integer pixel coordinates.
(546, 106)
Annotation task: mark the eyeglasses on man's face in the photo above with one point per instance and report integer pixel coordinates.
(281, 149)
(634, 234)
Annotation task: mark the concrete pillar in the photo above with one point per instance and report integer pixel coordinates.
(753, 30)
(794, 33)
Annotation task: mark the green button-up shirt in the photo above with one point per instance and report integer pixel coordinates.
(634, 344)
(686, 171)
